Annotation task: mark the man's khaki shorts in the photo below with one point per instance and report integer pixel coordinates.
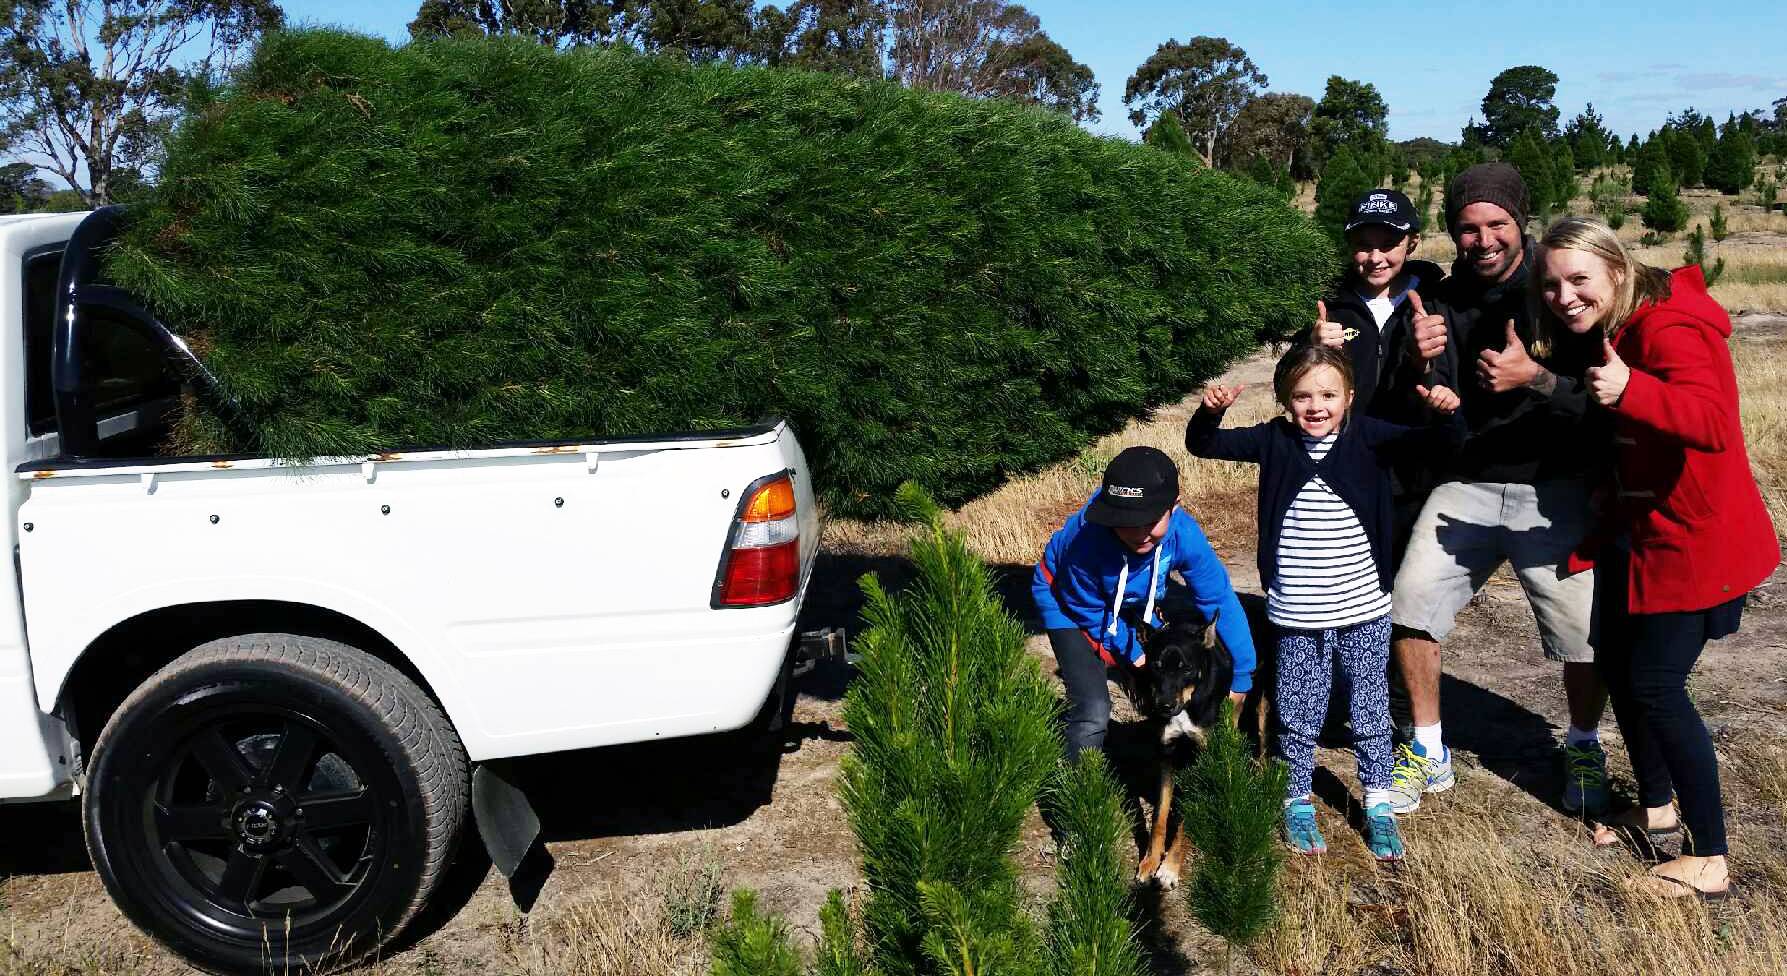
(1469, 528)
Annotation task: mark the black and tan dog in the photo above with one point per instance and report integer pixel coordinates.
(1180, 691)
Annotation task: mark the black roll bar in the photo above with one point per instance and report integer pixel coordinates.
(76, 292)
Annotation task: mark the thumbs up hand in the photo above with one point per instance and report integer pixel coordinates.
(1507, 369)
(1440, 399)
(1220, 398)
(1327, 333)
(1427, 330)
(1607, 383)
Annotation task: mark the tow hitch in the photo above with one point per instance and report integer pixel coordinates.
(819, 646)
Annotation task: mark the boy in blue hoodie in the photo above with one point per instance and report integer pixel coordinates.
(1117, 551)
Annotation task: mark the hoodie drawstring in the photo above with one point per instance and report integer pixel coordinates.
(1123, 585)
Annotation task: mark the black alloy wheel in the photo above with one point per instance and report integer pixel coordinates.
(274, 799)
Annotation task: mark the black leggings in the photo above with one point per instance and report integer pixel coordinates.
(1645, 659)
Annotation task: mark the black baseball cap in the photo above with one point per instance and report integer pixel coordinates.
(1388, 207)
(1140, 485)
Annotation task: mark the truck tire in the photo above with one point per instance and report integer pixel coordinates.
(272, 801)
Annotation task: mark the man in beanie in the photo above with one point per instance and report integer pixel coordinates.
(1116, 552)
(1518, 492)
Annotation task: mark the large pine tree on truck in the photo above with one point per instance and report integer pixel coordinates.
(454, 243)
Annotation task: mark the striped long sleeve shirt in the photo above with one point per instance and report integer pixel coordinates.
(1326, 574)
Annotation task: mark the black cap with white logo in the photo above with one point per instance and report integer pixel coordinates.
(1388, 207)
(1140, 485)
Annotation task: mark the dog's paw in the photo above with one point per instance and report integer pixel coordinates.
(1167, 877)
(1145, 872)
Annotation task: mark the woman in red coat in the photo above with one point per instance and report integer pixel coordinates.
(1686, 535)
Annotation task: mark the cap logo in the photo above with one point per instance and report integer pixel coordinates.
(1377, 204)
(1122, 491)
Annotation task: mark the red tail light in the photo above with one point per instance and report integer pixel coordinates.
(761, 564)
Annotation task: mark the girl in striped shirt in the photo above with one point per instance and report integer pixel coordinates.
(1324, 557)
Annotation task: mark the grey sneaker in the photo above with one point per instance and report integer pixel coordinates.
(1416, 773)
(1585, 780)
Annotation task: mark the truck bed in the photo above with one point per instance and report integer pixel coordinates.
(552, 596)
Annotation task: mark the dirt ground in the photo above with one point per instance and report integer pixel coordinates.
(619, 821)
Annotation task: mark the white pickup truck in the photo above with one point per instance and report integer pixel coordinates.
(270, 683)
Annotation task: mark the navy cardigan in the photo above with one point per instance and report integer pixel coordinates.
(1357, 467)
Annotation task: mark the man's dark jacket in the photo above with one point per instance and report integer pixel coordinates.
(1519, 436)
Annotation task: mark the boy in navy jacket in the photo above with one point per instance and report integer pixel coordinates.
(1117, 552)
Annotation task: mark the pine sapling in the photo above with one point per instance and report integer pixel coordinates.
(1091, 922)
(838, 953)
(1696, 254)
(955, 736)
(1718, 225)
(1232, 804)
(752, 943)
(962, 940)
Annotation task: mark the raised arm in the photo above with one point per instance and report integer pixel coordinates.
(1205, 438)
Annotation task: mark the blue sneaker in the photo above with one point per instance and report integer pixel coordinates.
(1416, 773)
(1381, 834)
(1300, 830)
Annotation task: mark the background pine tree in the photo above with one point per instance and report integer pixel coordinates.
(1731, 167)
(1687, 154)
(1343, 180)
(1650, 167)
(1664, 210)
(1167, 135)
(461, 242)
(1563, 176)
(1528, 155)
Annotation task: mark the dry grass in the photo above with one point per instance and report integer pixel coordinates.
(1497, 884)
(1012, 524)
(604, 932)
(71, 958)
(1762, 385)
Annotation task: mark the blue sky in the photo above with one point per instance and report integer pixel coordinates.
(1637, 61)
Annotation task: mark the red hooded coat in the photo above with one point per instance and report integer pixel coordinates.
(1686, 497)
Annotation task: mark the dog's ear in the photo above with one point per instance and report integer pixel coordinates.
(1216, 674)
(1144, 631)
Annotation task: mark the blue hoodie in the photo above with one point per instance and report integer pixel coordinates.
(1076, 582)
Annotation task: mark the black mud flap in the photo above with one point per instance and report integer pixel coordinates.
(510, 830)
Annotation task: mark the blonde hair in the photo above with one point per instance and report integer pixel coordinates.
(1634, 282)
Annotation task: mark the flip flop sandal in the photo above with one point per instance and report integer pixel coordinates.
(1648, 833)
(1680, 889)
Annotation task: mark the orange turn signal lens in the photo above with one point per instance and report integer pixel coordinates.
(772, 501)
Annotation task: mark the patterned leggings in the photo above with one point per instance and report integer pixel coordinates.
(1305, 675)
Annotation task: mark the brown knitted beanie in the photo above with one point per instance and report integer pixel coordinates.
(1497, 183)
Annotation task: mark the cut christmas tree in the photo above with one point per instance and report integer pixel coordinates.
(465, 242)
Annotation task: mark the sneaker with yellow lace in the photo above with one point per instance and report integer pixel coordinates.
(1416, 773)
(1585, 779)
